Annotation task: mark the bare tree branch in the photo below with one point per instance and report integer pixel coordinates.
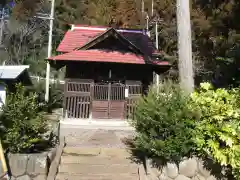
(20, 38)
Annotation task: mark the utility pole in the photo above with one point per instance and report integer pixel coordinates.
(156, 33)
(147, 18)
(142, 15)
(185, 63)
(142, 7)
(148, 32)
(50, 18)
(49, 49)
(152, 7)
(153, 23)
(2, 25)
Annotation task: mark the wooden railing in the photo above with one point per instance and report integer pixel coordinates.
(77, 98)
(134, 93)
(83, 98)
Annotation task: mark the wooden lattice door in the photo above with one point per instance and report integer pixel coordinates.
(108, 101)
(77, 100)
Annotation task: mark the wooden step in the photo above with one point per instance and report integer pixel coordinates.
(97, 160)
(62, 176)
(86, 169)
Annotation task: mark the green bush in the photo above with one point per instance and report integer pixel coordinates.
(170, 126)
(164, 123)
(23, 125)
(217, 132)
(55, 96)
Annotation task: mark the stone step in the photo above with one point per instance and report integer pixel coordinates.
(97, 160)
(62, 176)
(82, 151)
(86, 169)
(94, 151)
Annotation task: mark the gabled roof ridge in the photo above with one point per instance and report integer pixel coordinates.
(107, 31)
(129, 42)
(83, 34)
(76, 26)
(104, 28)
(96, 37)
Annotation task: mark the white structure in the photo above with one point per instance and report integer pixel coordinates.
(10, 75)
(11, 72)
(2, 94)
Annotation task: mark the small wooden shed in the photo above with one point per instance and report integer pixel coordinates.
(107, 70)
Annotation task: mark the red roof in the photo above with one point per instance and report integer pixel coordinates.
(80, 35)
(105, 56)
(92, 26)
(77, 38)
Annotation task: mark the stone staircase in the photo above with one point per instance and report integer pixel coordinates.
(94, 154)
(78, 163)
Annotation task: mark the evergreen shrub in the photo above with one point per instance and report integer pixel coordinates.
(23, 126)
(164, 123)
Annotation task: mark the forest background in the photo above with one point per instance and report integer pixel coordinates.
(215, 31)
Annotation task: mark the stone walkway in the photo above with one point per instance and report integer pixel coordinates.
(95, 154)
(95, 137)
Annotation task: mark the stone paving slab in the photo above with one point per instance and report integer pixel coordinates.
(62, 176)
(78, 137)
(103, 138)
(97, 160)
(95, 138)
(97, 151)
(86, 169)
(82, 151)
(115, 152)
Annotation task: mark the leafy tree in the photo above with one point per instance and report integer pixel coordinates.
(101, 12)
(216, 133)
(20, 38)
(70, 12)
(25, 8)
(25, 39)
(127, 14)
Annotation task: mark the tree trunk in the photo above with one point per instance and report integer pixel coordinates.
(185, 63)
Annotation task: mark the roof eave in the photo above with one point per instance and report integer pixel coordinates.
(154, 63)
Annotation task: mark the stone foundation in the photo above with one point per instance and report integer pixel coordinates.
(188, 169)
(30, 166)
